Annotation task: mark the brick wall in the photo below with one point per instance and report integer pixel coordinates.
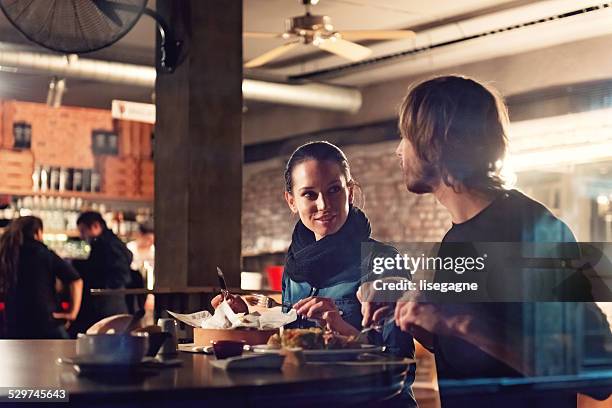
(395, 214)
(61, 137)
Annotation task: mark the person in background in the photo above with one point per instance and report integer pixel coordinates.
(107, 267)
(143, 250)
(28, 272)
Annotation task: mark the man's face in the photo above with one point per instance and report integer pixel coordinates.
(417, 177)
(88, 233)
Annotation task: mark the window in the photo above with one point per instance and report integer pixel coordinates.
(22, 135)
(104, 142)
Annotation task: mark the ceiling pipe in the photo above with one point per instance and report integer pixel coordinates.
(310, 95)
(317, 96)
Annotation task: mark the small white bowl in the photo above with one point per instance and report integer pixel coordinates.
(112, 348)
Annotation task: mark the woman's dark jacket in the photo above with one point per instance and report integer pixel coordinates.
(31, 304)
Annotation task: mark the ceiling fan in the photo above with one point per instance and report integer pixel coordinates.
(317, 30)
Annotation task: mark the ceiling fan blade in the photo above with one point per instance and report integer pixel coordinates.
(255, 34)
(356, 35)
(107, 8)
(270, 55)
(343, 48)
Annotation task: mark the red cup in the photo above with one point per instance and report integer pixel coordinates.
(227, 348)
(275, 276)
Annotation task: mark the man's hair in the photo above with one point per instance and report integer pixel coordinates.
(90, 217)
(457, 127)
(146, 228)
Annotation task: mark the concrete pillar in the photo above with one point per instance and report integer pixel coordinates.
(198, 147)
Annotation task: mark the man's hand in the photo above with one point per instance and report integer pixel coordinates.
(414, 316)
(371, 311)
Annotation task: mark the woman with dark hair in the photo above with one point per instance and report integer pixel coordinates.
(324, 263)
(28, 270)
(331, 249)
(332, 252)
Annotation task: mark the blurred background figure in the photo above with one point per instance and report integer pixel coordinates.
(107, 267)
(143, 251)
(28, 273)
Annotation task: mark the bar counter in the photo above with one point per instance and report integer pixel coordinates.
(33, 364)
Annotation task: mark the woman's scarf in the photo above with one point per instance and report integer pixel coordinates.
(331, 260)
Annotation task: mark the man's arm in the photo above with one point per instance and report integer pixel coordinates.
(491, 336)
(118, 261)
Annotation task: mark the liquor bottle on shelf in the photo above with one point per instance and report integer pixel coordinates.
(77, 180)
(95, 181)
(44, 179)
(63, 178)
(36, 178)
(87, 180)
(54, 179)
(69, 178)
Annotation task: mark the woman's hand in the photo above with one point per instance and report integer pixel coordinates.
(216, 301)
(314, 307)
(324, 310)
(76, 294)
(68, 317)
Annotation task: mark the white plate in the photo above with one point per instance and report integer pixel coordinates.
(365, 348)
(326, 355)
(89, 362)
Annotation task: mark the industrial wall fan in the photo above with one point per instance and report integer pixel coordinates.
(318, 31)
(81, 26)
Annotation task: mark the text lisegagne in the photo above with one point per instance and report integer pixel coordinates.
(423, 285)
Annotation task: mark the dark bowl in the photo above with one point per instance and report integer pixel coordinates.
(227, 348)
(156, 340)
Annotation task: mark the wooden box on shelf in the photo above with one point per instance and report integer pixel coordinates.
(147, 178)
(16, 169)
(120, 176)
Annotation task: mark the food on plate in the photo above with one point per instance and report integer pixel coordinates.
(308, 339)
(274, 341)
(335, 341)
(312, 339)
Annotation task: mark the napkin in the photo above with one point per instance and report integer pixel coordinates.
(225, 318)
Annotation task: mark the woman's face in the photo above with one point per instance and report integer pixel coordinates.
(321, 196)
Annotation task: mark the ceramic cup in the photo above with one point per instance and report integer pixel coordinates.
(112, 348)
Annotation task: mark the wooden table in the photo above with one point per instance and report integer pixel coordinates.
(545, 391)
(32, 363)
